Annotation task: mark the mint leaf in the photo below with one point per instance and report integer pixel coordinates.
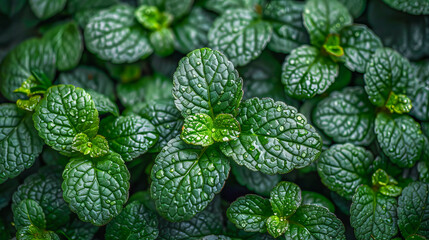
(130, 136)
(346, 116)
(343, 168)
(151, 18)
(16, 67)
(415, 7)
(400, 137)
(103, 104)
(307, 73)
(95, 147)
(359, 43)
(277, 226)
(64, 112)
(206, 82)
(19, 142)
(373, 215)
(44, 9)
(314, 222)
(162, 41)
(185, 178)
(175, 7)
(96, 189)
(413, 210)
(134, 222)
(34, 233)
(29, 212)
(66, 41)
(285, 17)
(386, 72)
(226, 128)
(285, 199)
(30, 104)
(197, 130)
(274, 138)
(420, 94)
(240, 34)
(314, 198)
(250, 213)
(398, 103)
(112, 35)
(325, 17)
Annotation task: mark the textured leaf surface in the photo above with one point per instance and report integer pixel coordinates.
(226, 128)
(285, 17)
(134, 222)
(415, 7)
(413, 210)
(314, 222)
(343, 168)
(197, 130)
(96, 189)
(44, 9)
(274, 138)
(323, 17)
(206, 82)
(307, 73)
(113, 35)
(359, 43)
(314, 198)
(185, 178)
(285, 199)
(64, 112)
(420, 96)
(387, 71)
(240, 35)
(32, 232)
(373, 215)
(346, 116)
(29, 212)
(19, 142)
(400, 137)
(17, 65)
(250, 213)
(103, 104)
(130, 136)
(66, 41)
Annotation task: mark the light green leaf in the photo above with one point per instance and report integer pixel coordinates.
(400, 137)
(197, 130)
(306, 72)
(185, 178)
(64, 112)
(113, 35)
(206, 82)
(151, 18)
(274, 138)
(29, 212)
(285, 199)
(103, 104)
(34, 233)
(226, 128)
(30, 104)
(373, 215)
(415, 7)
(277, 226)
(45, 9)
(346, 116)
(96, 189)
(240, 34)
(95, 147)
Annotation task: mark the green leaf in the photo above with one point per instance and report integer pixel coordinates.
(185, 178)
(130, 136)
(306, 72)
(332, 45)
(96, 189)
(413, 210)
(219, 6)
(355, 7)
(162, 41)
(191, 32)
(285, 17)
(398, 103)
(415, 7)
(30, 104)
(346, 116)
(400, 137)
(88, 77)
(390, 190)
(103, 104)
(66, 41)
(285, 199)
(277, 226)
(359, 44)
(258, 182)
(274, 138)
(314, 222)
(151, 18)
(16, 67)
(420, 95)
(64, 112)
(34, 233)
(423, 169)
(19, 142)
(134, 222)
(95, 147)
(44, 187)
(177, 8)
(314, 198)
(197, 130)
(373, 215)
(113, 35)
(206, 82)
(45, 9)
(325, 17)
(343, 168)
(250, 213)
(240, 34)
(29, 212)
(386, 72)
(226, 128)
(6, 191)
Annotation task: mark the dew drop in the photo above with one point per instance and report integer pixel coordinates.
(159, 174)
(277, 147)
(211, 167)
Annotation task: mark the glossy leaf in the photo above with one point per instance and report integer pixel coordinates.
(29, 212)
(285, 199)
(95, 147)
(197, 130)
(226, 128)
(32, 232)
(103, 104)
(420, 96)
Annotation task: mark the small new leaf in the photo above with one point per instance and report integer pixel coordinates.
(285, 199)
(197, 130)
(151, 18)
(226, 128)
(277, 226)
(30, 104)
(398, 103)
(95, 147)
